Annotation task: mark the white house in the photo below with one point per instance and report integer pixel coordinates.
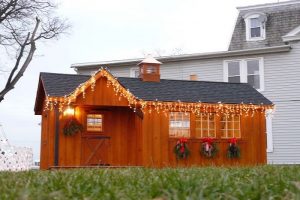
(264, 52)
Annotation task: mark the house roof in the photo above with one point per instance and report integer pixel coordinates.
(183, 57)
(282, 18)
(165, 90)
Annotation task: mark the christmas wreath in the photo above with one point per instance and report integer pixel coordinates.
(208, 148)
(72, 126)
(181, 149)
(233, 149)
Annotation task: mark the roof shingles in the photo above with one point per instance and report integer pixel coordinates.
(165, 90)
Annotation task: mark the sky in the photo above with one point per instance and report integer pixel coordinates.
(116, 29)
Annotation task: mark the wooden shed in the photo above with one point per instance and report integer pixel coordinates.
(101, 120)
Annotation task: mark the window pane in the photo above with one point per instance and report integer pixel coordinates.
(230, 133)
(151, 70)
(205, 124)
(136, 73)
(233, 68)
(255, 32)
(223, 125)
(179, 124)
(223, 133)
(255, 22)
(94, 122)
(237, 133)
(236, 125)
(254, 81)
(253, 67)
(235, 79)
(212, 125)
(236, 118)
(230, 127)
(212, 133)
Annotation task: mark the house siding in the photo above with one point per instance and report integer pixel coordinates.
(282, 83)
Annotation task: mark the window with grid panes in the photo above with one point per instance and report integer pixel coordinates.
(206, 125)
(94, 122)
(179, 124)
(230, 126)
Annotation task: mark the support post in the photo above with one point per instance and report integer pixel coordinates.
(56, 141)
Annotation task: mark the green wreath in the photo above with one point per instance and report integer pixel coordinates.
(181, 149)
(209, 151)
(233, 151)
(72, 126)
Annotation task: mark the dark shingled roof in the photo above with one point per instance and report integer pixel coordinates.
(280, 21)
(165, 90)
(60, 85)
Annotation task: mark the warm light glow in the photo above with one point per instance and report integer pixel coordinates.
(69, 111)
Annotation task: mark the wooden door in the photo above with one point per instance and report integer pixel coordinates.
(96, 140)
(95, 151)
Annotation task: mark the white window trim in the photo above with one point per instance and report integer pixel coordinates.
(132, 72)
(248, 28)
(244, 73)
(269, 130)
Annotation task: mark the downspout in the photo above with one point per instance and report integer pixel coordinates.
(56, 139)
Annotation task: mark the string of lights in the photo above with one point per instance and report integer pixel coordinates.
(153, 106)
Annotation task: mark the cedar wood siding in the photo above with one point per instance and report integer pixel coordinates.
(140, 142)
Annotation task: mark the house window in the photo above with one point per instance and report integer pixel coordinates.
(255, 26)
(151, 70)
(234, 75)
(134, 72)
(206, 125)
(245, 71)
(94, 122)
(230, 126)
(179, 124)
(253, 73)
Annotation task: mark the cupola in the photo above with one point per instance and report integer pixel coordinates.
(149, 69)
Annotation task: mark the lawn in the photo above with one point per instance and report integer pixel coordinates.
(267, 182)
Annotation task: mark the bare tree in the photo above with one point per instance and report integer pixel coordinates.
(22, 24)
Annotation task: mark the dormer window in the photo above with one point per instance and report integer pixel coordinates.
(255, 26)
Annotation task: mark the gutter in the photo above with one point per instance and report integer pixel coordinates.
(186, 57)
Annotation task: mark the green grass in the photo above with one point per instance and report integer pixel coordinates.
(268, 182)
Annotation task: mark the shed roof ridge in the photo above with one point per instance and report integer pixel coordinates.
(219, 82)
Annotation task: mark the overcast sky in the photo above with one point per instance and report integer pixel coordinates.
(117, 29)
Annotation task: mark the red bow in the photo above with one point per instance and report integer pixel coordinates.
(182, 140)
(208, 140)
(233, 141)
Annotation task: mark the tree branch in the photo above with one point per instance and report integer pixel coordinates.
(12, 81)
